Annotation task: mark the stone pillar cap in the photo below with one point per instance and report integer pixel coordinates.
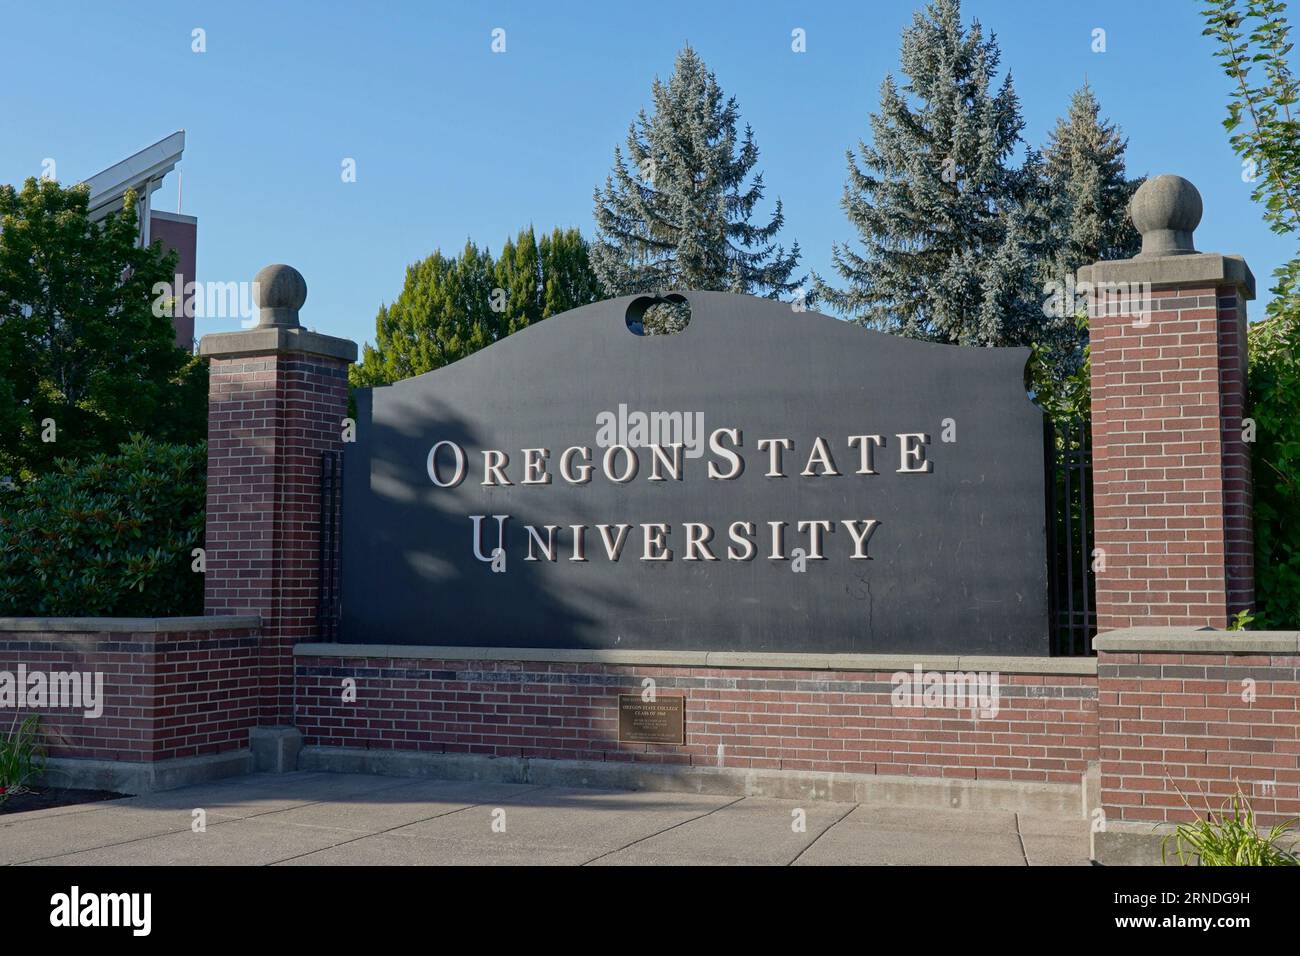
(1201, 269)
(1166, 210)
(279, 291)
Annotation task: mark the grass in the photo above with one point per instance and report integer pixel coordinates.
(22, 758)
(1230, 838)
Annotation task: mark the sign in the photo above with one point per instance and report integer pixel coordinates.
(658, 721)
(765, 480)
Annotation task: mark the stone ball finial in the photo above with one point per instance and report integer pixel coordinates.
(1166, 210)
(279, 292)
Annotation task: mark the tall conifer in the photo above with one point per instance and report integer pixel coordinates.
(675, 212)
(951, 231)
(452, 307)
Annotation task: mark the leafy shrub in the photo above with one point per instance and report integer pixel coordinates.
(1230, 839)
(1241, 621)
(1275, 407)
(111, 535)
(80, 342)
(1065, 394)
(22, 758)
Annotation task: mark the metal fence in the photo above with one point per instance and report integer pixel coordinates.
(1073, 593)
(331, 501)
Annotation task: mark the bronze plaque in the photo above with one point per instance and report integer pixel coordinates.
(661, 721)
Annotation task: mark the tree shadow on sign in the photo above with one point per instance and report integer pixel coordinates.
(410, 572)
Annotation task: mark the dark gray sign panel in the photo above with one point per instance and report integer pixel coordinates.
(833, 490)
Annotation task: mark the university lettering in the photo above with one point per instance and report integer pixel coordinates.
(745, 539)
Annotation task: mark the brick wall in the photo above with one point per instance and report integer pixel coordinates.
(1194, 723)
(1170, 470)
(270, 418)
(167, 694)
(1044, 731)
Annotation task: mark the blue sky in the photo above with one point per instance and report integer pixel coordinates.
(453, 141)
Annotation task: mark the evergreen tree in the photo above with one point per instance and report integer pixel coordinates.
(519, 275)
(675, 212)
(567, 278)
(541, 279)
(442, 314)
(951, 232)
(81, 342)
(452, 307)
(1085, 165)
(1088, 195)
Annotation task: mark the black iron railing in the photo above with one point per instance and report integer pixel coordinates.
(331, 502)
(1073, 593)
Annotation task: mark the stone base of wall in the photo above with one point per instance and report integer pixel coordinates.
(1134, 844)
(145, 776)
(173, 688)
(1052, 799)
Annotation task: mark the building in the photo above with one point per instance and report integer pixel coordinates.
(144, 173)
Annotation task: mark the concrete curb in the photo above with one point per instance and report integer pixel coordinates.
(134, 777)
(1132, 844)
(1054, 799)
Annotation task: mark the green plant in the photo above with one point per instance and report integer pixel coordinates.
(1274, 352)
(1254, 34)
(678, 210)
(1254, 49)
(108, 535)
(85, 358)
(1230, 839)
(1241, 621)
(1064, 395)
(22, 758)
(452, 306)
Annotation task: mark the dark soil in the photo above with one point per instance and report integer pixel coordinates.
(42, 798)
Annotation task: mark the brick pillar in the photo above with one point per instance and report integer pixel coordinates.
(277, 397)
(1171, 472)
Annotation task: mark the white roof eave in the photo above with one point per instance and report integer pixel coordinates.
(141, 172)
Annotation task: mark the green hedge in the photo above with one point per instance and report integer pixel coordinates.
(1275, 407)
(110, 535)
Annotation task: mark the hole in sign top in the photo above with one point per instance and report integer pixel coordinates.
(658, 315)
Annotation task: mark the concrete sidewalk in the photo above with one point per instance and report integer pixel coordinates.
(333, 819)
